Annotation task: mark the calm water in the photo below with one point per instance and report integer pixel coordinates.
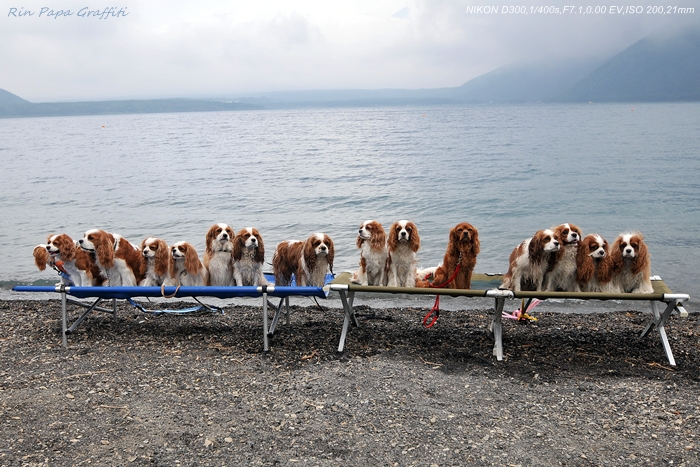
(509, 170)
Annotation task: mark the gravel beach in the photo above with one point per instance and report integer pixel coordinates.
(573, 390)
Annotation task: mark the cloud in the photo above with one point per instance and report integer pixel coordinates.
(164, 49)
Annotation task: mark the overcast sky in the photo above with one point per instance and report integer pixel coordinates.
(223, 48)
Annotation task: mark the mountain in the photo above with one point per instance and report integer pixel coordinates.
(14, 106)
(9, 99)
(656, 68)
(526, 82)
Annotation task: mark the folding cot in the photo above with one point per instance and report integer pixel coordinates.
(128, 293)
(486, 286)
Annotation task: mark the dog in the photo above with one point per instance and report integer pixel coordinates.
(186, 269)
(629, 268)
(248, 258)
(371, 240)
(120, 262)
(561, 274)
(75, 266)
(593, 251)
(529, 261)
(309, 261)
(462, 248)
(402, 244)
(157, 257)
(218, 255)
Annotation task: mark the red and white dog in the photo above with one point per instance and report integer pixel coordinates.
(562, 271)
(77, 266)
(218, 255)
(371, 240)
(186, 269)
(120, 262)
(629, 268)
(462, 247)
(403, 243)
(309, 261)
(529, 261)
(592, 252)
(248, 258)
(157, 258)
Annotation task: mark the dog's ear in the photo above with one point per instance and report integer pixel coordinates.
(378, 240)
(641, 260)
(41, 256)
(162, 259)
(415, 238)
(260, 250)
(211, 236)
(192, 263)
(535, 249)
(66, 246)
(476, 245)
(237, 247)
(309, 255)
(104, 250)
(585, 265)
(173, 268)
(331, 253)
(393, 237)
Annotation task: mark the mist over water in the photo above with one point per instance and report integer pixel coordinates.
(509, 170)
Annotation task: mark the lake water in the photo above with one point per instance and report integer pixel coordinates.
(507, 169)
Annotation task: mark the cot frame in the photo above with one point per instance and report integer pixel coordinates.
(662, 294)
(98, 294)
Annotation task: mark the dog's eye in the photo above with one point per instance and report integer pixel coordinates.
(566, 232)
(593, 247)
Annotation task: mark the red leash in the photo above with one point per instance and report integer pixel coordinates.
(435, 310)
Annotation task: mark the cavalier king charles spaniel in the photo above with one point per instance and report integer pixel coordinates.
(157, 258)
(403, 243)
(120, 262)
(218, 258)
(593, 251)
(371, 240)
(248, 258)
(186, 269)
(529, 261)
(629, 267)
(462, 247)
(76, 266)
(561, 275)
(308, 261)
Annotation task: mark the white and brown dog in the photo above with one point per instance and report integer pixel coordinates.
(629, 268)
(309, 261)
(186, 269)
(76, 267)
(371, 240)
(529, 261)
(248, 258)
(218, 255)
(157, 258)
(402, 245)
(561, 275)
(120, 262)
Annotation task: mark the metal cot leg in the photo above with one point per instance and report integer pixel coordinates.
(349, 316)
(497, 328)
(659, 320)
(266, 344)
(65, 320)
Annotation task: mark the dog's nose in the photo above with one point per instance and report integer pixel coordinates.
(359, 231)
(254, 240)
(323, 247)
(556, 243)
(80, 241)
(48, 247)
(225, 236)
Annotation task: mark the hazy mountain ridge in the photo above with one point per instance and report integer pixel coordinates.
(656, 68)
